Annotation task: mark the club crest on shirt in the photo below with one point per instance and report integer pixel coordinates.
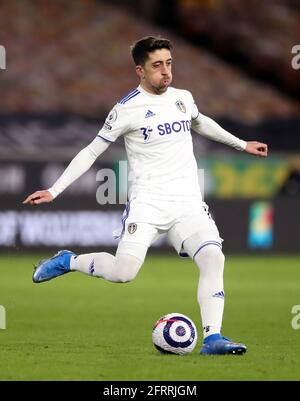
(181, 106)
(132, 228)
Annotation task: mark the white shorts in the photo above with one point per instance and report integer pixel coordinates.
(145, 221)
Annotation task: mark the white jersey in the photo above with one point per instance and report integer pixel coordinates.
(157, 134)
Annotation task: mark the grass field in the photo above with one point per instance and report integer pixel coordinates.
(81, 328)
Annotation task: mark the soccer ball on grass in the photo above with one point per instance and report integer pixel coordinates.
(174, 333)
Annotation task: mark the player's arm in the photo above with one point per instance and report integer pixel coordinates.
(208, 128)
(117, 123)
(78, 166)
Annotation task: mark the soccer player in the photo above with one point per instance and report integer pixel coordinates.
(155, 120)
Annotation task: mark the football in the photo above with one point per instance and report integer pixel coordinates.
(174, 333)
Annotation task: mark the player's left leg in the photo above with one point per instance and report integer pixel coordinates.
(210, 260)
(196, 235)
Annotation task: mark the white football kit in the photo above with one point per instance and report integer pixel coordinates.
(165, 195)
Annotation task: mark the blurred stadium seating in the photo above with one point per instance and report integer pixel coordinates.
(68, 63)
(257, 34)
(74, 57)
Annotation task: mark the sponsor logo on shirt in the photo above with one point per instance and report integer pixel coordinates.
(146, 131)
(167, 128)
(176, 126)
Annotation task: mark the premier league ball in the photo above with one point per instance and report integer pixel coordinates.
(174, 334)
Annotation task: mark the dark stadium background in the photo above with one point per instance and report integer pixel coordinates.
(67, 63)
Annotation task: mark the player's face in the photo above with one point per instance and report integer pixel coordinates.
(156, 73)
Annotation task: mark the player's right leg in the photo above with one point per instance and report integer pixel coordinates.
(48, 269)
(121, 268)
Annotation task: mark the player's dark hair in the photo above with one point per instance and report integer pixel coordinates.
(141, 48)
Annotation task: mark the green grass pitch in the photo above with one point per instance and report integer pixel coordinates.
(81, 328)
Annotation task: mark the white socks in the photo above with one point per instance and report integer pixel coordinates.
(124, 267)
(119, 269)
(210, 261)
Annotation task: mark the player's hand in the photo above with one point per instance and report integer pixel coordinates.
(257, 148)
(38, 197)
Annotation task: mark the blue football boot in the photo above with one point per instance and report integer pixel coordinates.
(48, 269)
(219, 345)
